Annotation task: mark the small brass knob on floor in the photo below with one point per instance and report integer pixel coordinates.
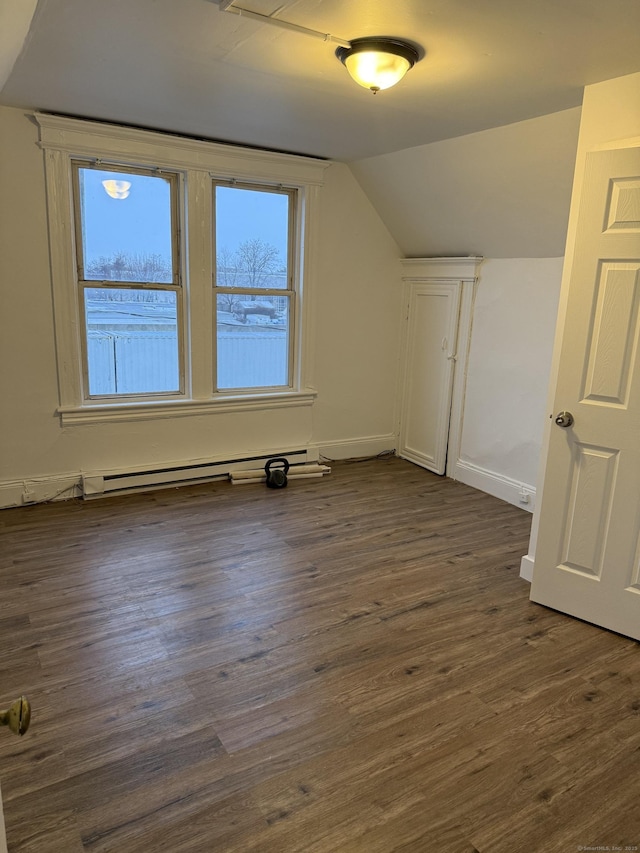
(18, 716)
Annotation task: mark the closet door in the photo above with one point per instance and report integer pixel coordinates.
(430, 359)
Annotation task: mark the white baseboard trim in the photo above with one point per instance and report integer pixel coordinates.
(514, 492)
(526, 568)
(356, 448)
(11, 494)
(34, 490)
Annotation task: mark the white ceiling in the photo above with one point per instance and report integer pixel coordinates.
(185, 66)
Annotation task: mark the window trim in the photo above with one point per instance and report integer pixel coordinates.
(63, 140)
(159, 409)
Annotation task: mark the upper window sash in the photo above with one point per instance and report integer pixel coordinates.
(97, 209)
(288, 227)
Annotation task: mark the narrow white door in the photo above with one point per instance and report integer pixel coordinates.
(429, 367)
(588, 552)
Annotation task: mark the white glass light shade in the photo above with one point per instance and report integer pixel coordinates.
(117, 189)
(375, 70)
(378, 62)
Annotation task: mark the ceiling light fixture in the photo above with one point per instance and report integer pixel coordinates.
(117, 189)
(378, 63)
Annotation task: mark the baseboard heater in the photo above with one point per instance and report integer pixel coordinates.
(95, 485)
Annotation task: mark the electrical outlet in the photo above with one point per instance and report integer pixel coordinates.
(28, 497)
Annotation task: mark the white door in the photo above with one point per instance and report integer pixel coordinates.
(588, 551)
(429, 367)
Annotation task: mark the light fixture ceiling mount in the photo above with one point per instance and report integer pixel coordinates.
(375, 62)
(378, 62)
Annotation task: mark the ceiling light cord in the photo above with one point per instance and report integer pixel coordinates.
(285, 25)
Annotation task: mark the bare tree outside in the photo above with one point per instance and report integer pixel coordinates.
(229, 302)
(252, 265)
(226, 267)
(257, 260)
(227, 276)
(121, 266)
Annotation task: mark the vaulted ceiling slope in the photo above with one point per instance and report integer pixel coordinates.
(189, 67)
(500, 193)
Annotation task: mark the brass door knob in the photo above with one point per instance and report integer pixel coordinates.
(18, 716)
(564, 419)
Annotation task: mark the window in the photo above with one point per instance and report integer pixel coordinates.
(129, 289)
(181, 272)
(254, 286)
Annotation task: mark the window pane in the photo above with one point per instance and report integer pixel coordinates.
(253, 341)
(126, 226)
(132, 341)
(252, 234)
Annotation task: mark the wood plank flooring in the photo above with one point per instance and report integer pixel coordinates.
(348, 665)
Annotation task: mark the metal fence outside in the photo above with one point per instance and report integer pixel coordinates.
(144, 362)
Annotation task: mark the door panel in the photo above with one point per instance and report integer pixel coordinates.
(587, 559)
(610, 356)
(430, 359)
(593, 478)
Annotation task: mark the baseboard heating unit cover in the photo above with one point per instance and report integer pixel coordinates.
(95, 485)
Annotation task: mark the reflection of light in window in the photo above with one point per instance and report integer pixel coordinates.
(117, 189)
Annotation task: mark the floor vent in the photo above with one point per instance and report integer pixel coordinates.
(96, 485)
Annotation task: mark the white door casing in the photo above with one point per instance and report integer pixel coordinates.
(462, 273)
(588, 550)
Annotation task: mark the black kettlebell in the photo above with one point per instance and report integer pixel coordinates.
(276, 477)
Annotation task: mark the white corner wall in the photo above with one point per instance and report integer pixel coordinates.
(507, 376)
(353, 348)
(357, 330)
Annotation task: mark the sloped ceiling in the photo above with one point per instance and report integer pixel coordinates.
(15, 20)
(501, 193)
(186, 66)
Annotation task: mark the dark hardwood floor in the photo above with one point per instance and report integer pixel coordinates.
(348, 665)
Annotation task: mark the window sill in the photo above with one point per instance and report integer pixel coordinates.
(156, 410)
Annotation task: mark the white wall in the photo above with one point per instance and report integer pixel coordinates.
(507, 376)
(610, 114)
(358, 322)
(354, 348)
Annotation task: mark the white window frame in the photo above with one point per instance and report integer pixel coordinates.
(292, 265)
(198, 163)
(176, 285)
